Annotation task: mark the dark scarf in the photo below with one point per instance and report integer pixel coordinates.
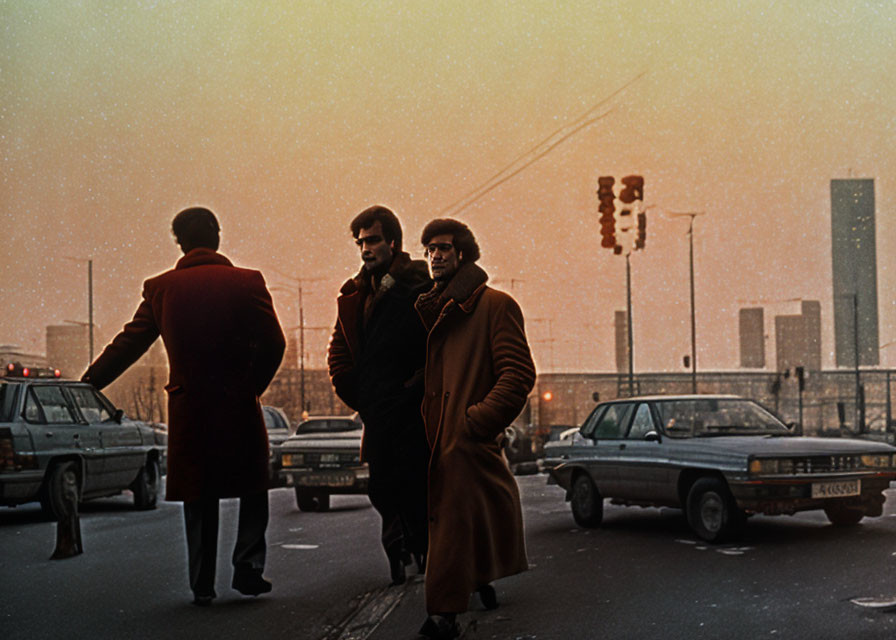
(441, 298)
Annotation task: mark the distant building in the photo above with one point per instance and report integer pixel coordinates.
(13, 353)
(620, 322)
(855, 272)
(798, 338)
(68, 349)
(752, 338)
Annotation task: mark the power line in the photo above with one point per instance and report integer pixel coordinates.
(490, 184)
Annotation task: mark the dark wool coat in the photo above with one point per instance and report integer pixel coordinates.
(479, 372)
(224, 345)
(377, 352)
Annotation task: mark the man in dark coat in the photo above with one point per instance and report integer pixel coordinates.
(375, 358)
(479, 372)
(224, 345)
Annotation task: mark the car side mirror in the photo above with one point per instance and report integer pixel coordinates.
(119, 414)
(790, 426)
(652, 436)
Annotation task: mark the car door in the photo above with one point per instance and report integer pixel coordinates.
(641, 467)
(49, 411)
(122, 447)
(608, 434)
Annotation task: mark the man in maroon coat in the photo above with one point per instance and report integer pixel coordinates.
(224, 345)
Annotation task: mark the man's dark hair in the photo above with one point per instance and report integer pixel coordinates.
(464, 242)
(389, 223)
(196, 227)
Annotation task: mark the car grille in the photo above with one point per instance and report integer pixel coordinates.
(821, 464)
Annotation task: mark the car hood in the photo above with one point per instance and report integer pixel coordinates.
(786, 445)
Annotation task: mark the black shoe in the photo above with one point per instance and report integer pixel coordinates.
(440, 628)
(420, 559)
(203, 599)
(488, 597)
(396, 568)
(249, 582)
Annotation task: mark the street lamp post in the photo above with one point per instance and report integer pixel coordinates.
(692, 215)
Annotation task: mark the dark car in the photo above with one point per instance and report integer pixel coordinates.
(277, 425)
(720, 458)
(55, 432)
(323, 458)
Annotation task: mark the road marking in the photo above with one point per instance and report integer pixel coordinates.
(300, 546)
(372, 609)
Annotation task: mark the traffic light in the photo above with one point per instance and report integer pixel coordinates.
(632, 198)
(632, 190)
(641, 238)
(606, 207)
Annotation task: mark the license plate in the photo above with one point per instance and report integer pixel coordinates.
(326, 480)
(839, 489)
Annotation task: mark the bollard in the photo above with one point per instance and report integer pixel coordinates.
(68, 525)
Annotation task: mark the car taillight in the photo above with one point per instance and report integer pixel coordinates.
(7, 453)
(9, 459)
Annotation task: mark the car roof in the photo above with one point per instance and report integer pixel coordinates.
(698, 396)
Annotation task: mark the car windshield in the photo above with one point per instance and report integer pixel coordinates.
(717, 417)
(327, 425)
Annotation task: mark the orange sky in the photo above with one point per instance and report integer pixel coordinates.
(288, 120)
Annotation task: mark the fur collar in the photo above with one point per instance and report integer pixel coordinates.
(403, 270)
(461, 291)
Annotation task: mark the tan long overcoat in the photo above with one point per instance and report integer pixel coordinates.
(479, 372)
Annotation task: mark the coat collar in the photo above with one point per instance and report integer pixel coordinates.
(202, 256)
(402, 269)
(462, 291)
(466, 286)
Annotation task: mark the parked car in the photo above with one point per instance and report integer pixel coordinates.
(323, 458)
(720, 458)
(278, 427)
(55, 432)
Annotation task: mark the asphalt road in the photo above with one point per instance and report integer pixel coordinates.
(641, 575)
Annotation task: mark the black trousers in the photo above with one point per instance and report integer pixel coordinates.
(201, 521)
(397, 490)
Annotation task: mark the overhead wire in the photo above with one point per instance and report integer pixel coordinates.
(490, 184)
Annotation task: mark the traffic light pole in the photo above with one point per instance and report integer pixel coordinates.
(631, 353)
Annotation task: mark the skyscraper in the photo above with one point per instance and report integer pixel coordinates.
(855, 272)
(752, 338)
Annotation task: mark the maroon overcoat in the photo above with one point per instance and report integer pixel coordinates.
(479, 372)
(224, 345)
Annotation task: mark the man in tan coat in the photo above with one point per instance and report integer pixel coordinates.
(479, 372)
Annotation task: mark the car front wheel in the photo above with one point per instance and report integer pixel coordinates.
(586, 502)
(843, 514)
(146, 486)
(310, 500)
(712, 512)
(61, 496)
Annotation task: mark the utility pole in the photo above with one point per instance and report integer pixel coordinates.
(89, 262)
(628, 328)
(299, 285)
(692, 215)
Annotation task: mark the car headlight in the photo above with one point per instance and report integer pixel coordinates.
(768, 466)
(877, 461)
(293, 460)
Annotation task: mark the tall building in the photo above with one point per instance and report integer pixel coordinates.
(68, 349)
(620, 321)
(798, 338)
(752, 338)
(855, 272)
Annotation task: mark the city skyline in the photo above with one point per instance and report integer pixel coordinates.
(289, 120)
